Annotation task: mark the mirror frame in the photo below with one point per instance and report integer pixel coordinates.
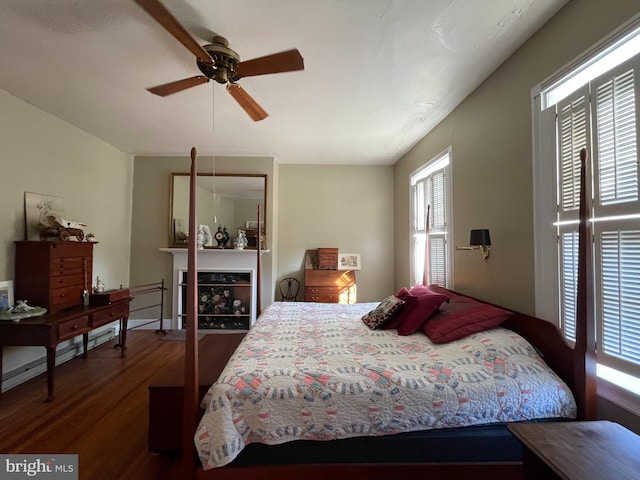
(263, 215)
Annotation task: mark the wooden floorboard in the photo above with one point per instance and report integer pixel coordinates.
(100, 411)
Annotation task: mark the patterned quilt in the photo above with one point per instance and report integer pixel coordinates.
(315, 371)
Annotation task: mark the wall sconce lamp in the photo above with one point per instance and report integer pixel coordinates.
(479, 240)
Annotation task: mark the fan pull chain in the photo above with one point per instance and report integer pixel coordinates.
(213, 154)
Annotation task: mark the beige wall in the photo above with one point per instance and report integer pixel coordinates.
(40, 153)
(348, 207)
(490, 136)
(150, 219)
(307, 207)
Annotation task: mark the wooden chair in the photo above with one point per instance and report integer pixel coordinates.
(289, 288)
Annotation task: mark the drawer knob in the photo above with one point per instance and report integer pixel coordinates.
(75, 327)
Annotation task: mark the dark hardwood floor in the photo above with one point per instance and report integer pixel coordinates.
(100, 411)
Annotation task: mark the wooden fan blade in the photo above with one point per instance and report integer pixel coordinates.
(288, 61)
(177, 86)
(249, 105)
(171, 25)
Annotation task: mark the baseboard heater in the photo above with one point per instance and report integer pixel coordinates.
(38, 366)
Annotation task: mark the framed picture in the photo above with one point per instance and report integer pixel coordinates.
(37, 207)
(253, 224)
(6, 295)
(349, 261)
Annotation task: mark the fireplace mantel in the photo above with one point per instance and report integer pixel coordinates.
(213, 259)
(205, 252)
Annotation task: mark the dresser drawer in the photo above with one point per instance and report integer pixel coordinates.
(66, 296)
(322, 290)
(326, 298)
(69, 266)
(109, 315)
(67, 281)
(71, 249)
(73, 327)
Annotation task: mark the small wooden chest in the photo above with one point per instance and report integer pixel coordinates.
(327, 258)
(109, 296)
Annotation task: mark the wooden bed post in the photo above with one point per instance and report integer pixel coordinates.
(584, 350)
(258, 269)
(425, 274)
(191, 387)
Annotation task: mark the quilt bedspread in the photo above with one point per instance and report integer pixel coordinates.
(313, 371)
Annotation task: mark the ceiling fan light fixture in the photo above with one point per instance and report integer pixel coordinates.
(225, 61)
(218, 62)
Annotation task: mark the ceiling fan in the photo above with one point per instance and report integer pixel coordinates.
(220, 63)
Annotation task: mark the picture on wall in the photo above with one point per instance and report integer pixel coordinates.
(6, 295)
(349, 261)
(37, 207)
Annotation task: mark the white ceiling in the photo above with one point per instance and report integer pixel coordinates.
(379, 74)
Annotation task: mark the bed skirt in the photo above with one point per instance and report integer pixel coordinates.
(483, 443)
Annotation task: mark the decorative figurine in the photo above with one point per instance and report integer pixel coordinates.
(21, 306)
(201, 238)
(207, 239)
(53, 225)
(241, 241)
(100, 287)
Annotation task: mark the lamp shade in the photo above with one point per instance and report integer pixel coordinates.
(480, 237)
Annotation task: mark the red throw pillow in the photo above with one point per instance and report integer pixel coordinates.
(409, 303)
(420, 290)
(434, 287)
(416, 310)
(461, 317)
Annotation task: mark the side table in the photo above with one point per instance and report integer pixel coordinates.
(597, 450)
(51, 329)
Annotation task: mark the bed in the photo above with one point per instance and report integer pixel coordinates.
(384, 372)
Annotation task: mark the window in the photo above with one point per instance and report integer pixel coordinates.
(431, 192)
(599, 110)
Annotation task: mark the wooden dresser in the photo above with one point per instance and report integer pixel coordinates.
(329, 286)
(53, 275)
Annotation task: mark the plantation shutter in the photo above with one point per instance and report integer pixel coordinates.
(430, 190)
(572, 136)
(437, 234)
(616, 231)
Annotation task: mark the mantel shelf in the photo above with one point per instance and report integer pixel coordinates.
(212, 251)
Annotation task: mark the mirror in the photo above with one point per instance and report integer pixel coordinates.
(223, 201)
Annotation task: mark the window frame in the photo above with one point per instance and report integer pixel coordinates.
(425, 170)
(547, 268)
